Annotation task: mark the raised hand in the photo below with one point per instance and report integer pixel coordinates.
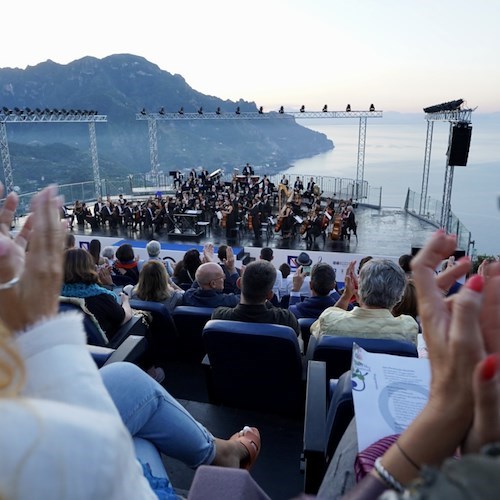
(35, 277)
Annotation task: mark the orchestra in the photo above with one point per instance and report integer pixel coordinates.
(246, 201)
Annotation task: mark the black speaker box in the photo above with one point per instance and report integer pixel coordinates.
(458, 151)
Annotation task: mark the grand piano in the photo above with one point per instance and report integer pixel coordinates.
(186, 223)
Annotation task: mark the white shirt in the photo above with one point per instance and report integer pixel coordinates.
(63, 438)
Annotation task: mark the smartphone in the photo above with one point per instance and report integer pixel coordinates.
(306, 270)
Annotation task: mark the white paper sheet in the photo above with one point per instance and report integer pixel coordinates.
(388, 391)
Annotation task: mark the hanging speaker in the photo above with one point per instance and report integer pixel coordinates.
(458, 151)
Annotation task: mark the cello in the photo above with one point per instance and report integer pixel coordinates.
(337, 228)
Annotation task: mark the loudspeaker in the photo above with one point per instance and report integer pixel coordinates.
(458, 150)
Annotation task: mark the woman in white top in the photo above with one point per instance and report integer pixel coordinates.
(62, 435)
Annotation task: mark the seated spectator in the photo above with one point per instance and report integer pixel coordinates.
(405, 262)
(408, 303)
(153, 248)
(95, 251)
(267, 254)
(323, 293)
(82, 282)
(185, 269)
(109, 254)
(209, 286)
(154, 286)
(67, 428)
(381, 286)
(305, 261)
(125, 271)
(70, 241)
(230, 285)
(256, 290)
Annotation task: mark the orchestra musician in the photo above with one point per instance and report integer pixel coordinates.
(309, 188)
(248, 170)
(256, 214)
(315, 226)
(286, 220)
(298, 185)
(348, 222)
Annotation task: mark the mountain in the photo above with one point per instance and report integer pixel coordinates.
(119, 86)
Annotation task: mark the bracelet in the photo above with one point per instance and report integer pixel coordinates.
(387, 477)
(398, 446)
(9, 284)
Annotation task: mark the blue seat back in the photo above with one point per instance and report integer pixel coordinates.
(305, 330)
(190, 321)
(336, 352)
(162, 333)
(256, 366)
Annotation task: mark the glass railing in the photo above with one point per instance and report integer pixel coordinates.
(430, 210)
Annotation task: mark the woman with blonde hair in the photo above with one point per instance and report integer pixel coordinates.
(154, 286)
(64, 422)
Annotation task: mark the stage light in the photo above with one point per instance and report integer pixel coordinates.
(162, 111)
(200, 111)
(348, 108)
(217, 111)
(281, 110)
(238, 110)
(181, 110)
(302, 108)
(372, 107)
(325, 108)
(143, 111)
(261, 110)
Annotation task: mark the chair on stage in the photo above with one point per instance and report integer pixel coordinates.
(254, 366)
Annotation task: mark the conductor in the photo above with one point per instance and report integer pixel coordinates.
(248, 170)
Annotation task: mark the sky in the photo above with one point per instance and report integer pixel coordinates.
(401, 55)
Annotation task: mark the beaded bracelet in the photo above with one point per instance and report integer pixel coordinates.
(387, 477)
(9, 284)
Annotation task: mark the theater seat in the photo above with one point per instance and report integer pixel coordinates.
(133, 350)
(254, 366)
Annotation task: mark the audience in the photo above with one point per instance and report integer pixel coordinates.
(153, 248)
(381, 286)
(154, 286)
(267, 254)
(95, 251)
(69, 430)
(109, 254)
(125, 271)
(185, 269)
(224, 253)
(256, 290)
(207, 291)
(83, 284)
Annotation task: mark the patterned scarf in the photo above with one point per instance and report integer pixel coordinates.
(84, 290)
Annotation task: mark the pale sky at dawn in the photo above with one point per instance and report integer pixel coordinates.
(402, 55)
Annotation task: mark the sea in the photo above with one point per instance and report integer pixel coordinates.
(394, 160)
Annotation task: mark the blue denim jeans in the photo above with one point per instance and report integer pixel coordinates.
(151, 413)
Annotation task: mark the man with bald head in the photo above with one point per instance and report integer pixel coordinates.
(208, 288)
(256, 285)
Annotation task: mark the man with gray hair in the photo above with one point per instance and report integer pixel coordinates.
(256, 285)
(381, 286)
(154, 248)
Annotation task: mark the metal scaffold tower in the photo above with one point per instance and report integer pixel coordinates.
(454, 113)
(27, 115)
(162, 115)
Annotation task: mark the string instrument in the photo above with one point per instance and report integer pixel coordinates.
(337, 228)
(326, 218)
(279, 223)
(305, 226)
(250, 222)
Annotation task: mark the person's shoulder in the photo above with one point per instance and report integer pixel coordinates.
(222, 312)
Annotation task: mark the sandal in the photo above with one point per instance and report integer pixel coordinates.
(249, 437)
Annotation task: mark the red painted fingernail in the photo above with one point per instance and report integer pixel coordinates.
(489, 367)
(475, 283)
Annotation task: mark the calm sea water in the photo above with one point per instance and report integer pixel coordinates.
(394, 157)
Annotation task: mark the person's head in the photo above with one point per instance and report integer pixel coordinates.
(153, 282)
(322, 279)
(95, 250)
(381, 284)
(70, 241)
(404, 262)
(408, 304)
(257, 282)
(153, 248)
(303, 259)
(266, 254)
(221, 252)
(285, 270)
(79, 267)
(125, 253)
(210, 276)
(108, 252)
(191, 260)
(363, 261)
